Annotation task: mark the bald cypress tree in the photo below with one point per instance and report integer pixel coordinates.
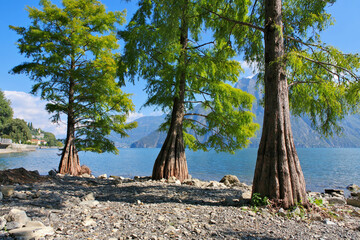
(73, 64)
(183, 71)
(298, 72)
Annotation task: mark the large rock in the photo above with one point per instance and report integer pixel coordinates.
(335, 192)
(27, 233)
(230, 180)
(89, 197)
(103, 176)
(353, 202)
(195, 182)
(336, 200)
(18, 216)
(215, 184)
(85, 170)
(2, 223)
(7, 191)
(19, 175)
(353, 187)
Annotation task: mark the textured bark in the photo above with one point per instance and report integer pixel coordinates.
(278, 174)
(69, 163)
(171, 161)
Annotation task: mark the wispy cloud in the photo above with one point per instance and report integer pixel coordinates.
(32, 109)
(249, 68)
(136, 115)
(133, 116)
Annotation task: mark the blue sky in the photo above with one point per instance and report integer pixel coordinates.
(345, 34)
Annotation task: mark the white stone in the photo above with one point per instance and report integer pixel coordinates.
(328, 222)
(34, 224)
(172, 179)
(170, 229)
(89, 197)
(28, 233)
(19, 216)
(246, 195)
(19, 195)
(85, 175)
(92, 203)
(1, 196)
(103, 176)
(2, 223)
(89, 222)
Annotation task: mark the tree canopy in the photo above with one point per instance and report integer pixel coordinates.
(73, 64)
(17, 130)
(321, 78)
(6, 112)
(154, 51)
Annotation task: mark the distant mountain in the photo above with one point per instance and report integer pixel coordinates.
(304, 135)
(146, 125)
(154, 140)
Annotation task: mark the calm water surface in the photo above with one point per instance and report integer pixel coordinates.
(322, 167)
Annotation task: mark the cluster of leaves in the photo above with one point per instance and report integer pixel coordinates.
(321, 79)
(154, 52)
(257, 200)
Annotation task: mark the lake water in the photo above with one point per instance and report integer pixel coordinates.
(322, 167)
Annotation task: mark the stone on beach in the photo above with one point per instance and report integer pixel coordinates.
(353, 187)
(230, 180)
(28, 233)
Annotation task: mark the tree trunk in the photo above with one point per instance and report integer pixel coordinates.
(278, 174)
(171, 161)
(69, 162)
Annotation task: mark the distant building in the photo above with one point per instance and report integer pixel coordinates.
(38, 141)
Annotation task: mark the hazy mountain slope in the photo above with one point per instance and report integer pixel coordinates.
(304, 135)
(146, 125)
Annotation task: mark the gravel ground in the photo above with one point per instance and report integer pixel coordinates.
(86, 208)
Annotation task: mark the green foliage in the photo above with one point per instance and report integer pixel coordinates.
(323, 83)
(50, 139)
(73, 64)
(6, 112)
(153, 51)
(257, 200)
(17, 130)
(316, 201)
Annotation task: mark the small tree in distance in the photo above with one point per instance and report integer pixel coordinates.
(6, 112)
(74, 67)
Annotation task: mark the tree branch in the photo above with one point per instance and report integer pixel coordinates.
(329, 64)
(195, 114)
(235, 21)
(199, 46)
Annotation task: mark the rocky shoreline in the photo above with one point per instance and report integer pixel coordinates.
(65, 207)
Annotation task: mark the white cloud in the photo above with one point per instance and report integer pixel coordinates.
(133, 116)
(136, 115)
(32, 109)
(249, 68)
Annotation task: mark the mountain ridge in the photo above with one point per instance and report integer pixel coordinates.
(304, 135)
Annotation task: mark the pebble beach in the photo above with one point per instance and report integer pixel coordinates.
(66, 207)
